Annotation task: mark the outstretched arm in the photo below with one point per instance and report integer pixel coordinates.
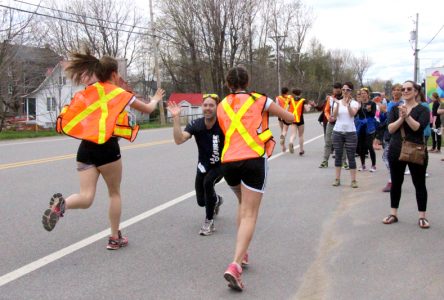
(179, 135)
(151, 106)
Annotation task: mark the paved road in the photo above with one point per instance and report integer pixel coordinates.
(313, 241)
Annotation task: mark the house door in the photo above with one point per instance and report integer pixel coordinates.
(30, 107)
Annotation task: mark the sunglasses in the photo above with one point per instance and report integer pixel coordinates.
(407, 89)
(212, 96)
(346, 90)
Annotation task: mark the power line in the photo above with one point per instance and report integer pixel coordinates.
(433, 37)
(79, 15)
(72, 21)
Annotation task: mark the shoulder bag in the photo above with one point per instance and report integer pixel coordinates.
(411, 152)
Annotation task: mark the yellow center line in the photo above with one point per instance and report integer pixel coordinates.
(69, 156)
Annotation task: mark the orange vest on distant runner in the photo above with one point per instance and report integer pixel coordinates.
(284, 101)
(296, 108)
(240, 116)
(98, 113)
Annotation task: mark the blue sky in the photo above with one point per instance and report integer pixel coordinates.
(381, 30)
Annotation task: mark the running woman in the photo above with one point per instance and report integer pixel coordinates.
(97, 116)
(243, 117)
(284, 100)
(209, 140)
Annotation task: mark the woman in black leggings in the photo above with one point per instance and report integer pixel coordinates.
(413, 118)
(367, 132)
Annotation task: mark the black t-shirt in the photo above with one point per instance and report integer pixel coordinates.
(422, 115)
(367, 110)
(435, 114)
(210, 143)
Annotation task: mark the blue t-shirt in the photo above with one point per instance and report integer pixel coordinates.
(210, 143)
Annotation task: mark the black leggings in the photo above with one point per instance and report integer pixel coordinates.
(397, 169)
(366, 144)
(205, 193)
(436, 140)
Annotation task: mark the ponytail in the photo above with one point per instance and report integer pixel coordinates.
(86, 64)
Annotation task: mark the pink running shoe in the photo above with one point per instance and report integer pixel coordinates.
(233, 276)
(114, 244)
(245, 262)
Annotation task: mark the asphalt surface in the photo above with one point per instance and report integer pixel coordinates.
(312, 241)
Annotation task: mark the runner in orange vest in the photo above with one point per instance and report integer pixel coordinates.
(243, 117)
(284, 100)
(95, 116)
(297, 108)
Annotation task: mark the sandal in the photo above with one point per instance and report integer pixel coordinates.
(423, 223)
(390, 219)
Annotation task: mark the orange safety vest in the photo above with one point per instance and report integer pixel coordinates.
(296, 109)
(284, 101)
(240, 116)
(97, 113)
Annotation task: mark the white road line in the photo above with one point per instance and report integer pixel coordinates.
(20, 272)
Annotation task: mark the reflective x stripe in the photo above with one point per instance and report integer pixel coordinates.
(295, 110)
(236, 124)
(102, 104)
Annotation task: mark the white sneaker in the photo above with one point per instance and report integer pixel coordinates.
(207, 227)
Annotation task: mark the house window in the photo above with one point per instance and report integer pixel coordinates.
(62, 80)
(50, 104)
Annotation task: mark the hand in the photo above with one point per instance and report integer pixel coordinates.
(174, 109)
(158, 95)
(402, 111)
(331, 119)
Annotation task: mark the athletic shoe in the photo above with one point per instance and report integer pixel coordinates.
(219, 202)
(354, 184)
(345, 166)
(337, 182)
(114, 244)
(207, 227)
(324, 164)
(282, 140)
(291, 148)
(245, 261)
(362, 169)
(372, 169)
(387, 188)
(55, 211)
(233, 276)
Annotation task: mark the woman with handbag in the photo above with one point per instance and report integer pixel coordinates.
(407, 123)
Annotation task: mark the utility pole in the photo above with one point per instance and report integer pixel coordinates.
(277, 37)
(415, 76)
(156, 64)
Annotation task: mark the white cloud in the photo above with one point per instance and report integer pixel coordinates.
(381, 29)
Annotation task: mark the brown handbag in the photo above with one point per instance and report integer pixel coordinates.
(412, 152)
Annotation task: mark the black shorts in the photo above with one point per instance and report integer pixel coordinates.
(301, 121)
(90, 153)
(252, 173)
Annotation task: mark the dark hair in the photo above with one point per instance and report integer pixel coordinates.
(237, 78)
(415, 85)
(297, 91)
(87, 64)
(435, 96)
(337, 85)
(349, 84)
(284, 90)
